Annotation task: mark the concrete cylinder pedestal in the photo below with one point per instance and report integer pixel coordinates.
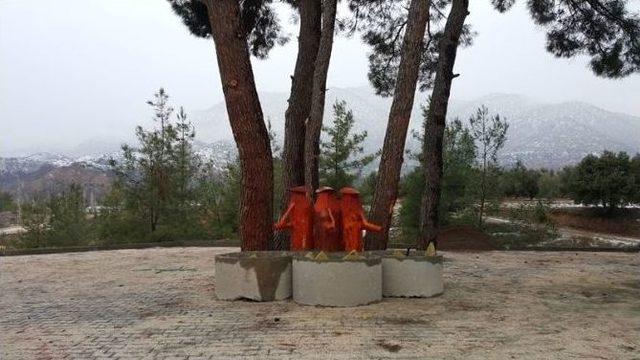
(415, 275)
(336, 281)
(253, 275)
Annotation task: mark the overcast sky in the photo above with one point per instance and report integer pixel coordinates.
(83, 70)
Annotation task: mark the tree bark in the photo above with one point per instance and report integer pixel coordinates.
(301, 93)
(247, 124)
(314, 122)
(299, 103)
(483, 181)
(436, 122)
(386, 189)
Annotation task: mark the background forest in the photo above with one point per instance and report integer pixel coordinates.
(163, 191)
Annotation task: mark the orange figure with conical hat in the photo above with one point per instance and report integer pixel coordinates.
(298, 218)
(353, 220)
(327, 226)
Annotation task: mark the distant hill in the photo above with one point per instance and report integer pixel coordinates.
(540, 134)
(370, 112)
(51, 178)
(555, 135)
(51, 173)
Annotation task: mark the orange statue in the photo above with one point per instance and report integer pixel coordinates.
(298, 218)
(353, 220)
(327, 226)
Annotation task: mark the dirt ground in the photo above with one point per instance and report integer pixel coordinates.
(624, 222)
(160, 304)
(464, 237)
(564, 213)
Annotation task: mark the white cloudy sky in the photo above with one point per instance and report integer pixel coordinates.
(82, 71)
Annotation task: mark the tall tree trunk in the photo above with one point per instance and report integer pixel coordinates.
(386, 189)
(247, 124)
(436, 122)
(299, 103)
(314, 123)
(483, 183)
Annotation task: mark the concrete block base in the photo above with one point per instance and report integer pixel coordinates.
(336, 281)
(415, 275)
(253, 275)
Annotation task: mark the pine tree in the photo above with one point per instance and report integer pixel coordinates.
(384, 25)
(404, 37)
(258, 22)
(57, 220)
(35, 217)
(341, 159)
(299, 104)
(68, 224)
(156, 180)
(605, 30)
(408, 66)
(278, 181)
(489, 133)
(218, 196)
(187, 166)
(602, 29)
(259, 17)
(240, 29)
(436, 120)
(314, 122)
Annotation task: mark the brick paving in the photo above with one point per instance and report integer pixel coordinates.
(160, 304)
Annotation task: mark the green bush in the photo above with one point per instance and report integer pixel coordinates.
(610, 180)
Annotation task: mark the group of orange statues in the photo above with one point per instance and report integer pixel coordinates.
(331, 224)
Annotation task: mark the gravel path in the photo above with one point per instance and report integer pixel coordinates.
(160, 304)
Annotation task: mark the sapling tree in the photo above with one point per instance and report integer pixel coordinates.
(489, 133)
(342, 159)
(156, 177)
(187, 165)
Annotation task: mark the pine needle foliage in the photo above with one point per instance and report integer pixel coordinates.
(261, 24)
(341, 158)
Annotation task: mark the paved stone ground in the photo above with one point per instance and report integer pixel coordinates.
(160, 304)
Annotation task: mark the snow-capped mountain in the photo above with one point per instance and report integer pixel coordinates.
(31, 163)
(50, 172)
(218, 153)
(556, 135)
(370, 113)
(540, 134)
